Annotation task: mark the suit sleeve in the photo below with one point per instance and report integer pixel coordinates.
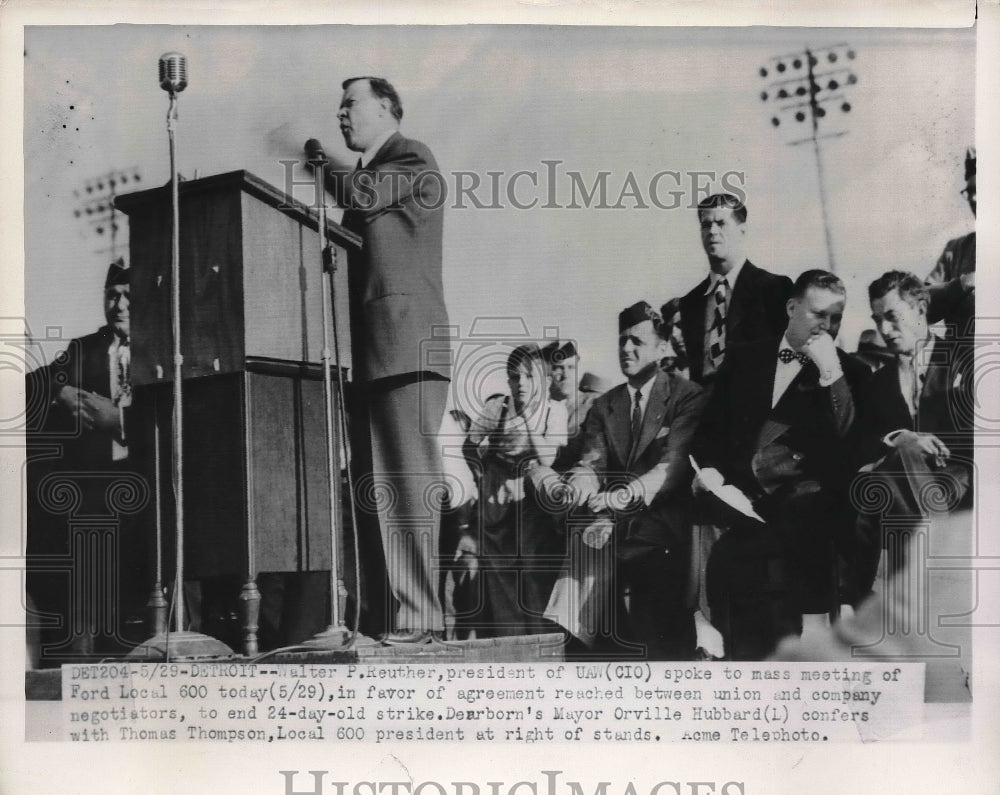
(776, 299)
(408, 178)
(841, 394)
(713, 441)
(872, 423)
(594, 448)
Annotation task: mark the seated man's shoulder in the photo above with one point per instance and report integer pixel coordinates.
(854, 368)
(682, 387)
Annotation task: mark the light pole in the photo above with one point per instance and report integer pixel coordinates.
(806, 85)
(97, 203)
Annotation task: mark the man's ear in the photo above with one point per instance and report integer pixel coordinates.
(790, 306)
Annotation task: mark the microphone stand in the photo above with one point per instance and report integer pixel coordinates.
(179, 644)
(336, 636)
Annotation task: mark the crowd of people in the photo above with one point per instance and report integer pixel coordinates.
(746, 472)
(715, 503)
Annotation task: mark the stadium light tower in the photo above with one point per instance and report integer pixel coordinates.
(806, 86)
(97, 203)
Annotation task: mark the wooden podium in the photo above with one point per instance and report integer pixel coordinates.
(255, 476)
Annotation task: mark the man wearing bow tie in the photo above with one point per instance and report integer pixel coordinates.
(915, 427)
(394, 199)
(778, 426)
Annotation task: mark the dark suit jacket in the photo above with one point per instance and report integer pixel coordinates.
(660, 460)
(397, 297)
(943, 409)
(757, 311)
(806, 436)
(84, 365)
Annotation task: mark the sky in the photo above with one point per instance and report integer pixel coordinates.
(627, 101)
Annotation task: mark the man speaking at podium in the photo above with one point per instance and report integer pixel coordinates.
(394, 200)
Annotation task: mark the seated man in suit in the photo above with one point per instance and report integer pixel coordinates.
(778, 427)
(83, 401)
(915, 429)
(634, 474)
(737, 302)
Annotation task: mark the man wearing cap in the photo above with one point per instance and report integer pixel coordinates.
(634, 475)
(577, 392)
(737, 302)
(88, 394)
(778, 427)
(394, 200)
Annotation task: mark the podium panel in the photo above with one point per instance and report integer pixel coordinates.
(250, 285)
(255, 481)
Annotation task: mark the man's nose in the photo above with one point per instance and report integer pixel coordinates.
(342, 114)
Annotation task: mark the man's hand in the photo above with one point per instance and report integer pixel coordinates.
(99, 413)
(616, 500)
(706, 480)
(583, 484)
(926, 443)
(552, 492)
(94, 412)
(823, 352)
(598, 532)
(968, 281)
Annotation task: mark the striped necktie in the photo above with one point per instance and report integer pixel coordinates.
(717, 332)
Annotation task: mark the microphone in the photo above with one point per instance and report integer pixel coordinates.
(314, 151)
(173, 72)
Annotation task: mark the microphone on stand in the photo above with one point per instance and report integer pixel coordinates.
(173, 72)
(314, 151)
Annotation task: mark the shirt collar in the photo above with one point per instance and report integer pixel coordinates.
(371, 151)
(714, 278)
(646, 389)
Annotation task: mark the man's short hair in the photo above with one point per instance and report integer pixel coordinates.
(820, 279)
(382, 89)
(911, 288)
(725, 201)
(523, 356)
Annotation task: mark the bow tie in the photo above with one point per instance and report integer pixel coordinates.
(787, 355)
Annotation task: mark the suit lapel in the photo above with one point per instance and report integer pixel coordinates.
(761, 365)
(936, 382)
(742, 298)
(693, 318)
(652, 420)
(619, 422)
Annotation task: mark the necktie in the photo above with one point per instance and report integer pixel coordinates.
(123, 391)
(717, 333)
(787, 355)
(913, 383)
(636, 421)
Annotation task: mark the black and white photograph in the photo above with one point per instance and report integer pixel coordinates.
(421, 401)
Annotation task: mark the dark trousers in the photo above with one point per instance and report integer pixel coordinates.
(907, 489)
(398, 492)
(653, 587)
(761, 577)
